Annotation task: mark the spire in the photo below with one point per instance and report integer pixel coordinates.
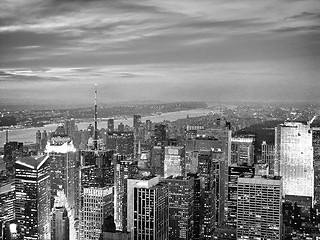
(95, 119)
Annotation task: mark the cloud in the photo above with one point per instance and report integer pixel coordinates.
(145, 43)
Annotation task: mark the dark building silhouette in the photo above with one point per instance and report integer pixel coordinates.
(136, 121)
(181, 207)
(121, 142)
(110, 125)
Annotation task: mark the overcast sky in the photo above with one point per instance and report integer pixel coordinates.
(53, 51)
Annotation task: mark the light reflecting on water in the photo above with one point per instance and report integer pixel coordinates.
(27, 135)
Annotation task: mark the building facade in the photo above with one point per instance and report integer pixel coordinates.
(259, 213)
(148, 209)
(181, 207)
(294, 158)
(32, 203)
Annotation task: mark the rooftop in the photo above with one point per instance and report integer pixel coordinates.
(33, 162)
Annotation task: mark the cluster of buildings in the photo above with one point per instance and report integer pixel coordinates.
(139, 183)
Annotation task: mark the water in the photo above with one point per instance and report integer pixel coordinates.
(28, 135)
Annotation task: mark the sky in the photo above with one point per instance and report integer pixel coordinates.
(54, 51)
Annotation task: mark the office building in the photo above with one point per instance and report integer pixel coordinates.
(7, 197)
(160, 135)
(32, 203)
(206, 169)
(242, 151)
(110, 125)
(70, 127)
(316, 164)
(259, 213)
(123, 170)
(267, 156)
(174, 161)
(136, 121)
(197, 209)
(109, 231)
(234, 173)
(96, 178)
(63, 158)
(60, 224)
(97, 204)
(12, 150)
(121, 142)
(148, 212)
(294, 158)
(157, 161)
(181, 207)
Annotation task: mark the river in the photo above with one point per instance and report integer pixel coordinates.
(28, 135)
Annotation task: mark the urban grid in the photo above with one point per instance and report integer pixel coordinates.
(159, 120)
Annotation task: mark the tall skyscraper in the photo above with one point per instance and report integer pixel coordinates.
(160, 135)
(316, 164)
(242, 151)
(294, 158)
(259, 208)
(206, 169)
(174, 161)
(70, 127)
(32, 204)
(267, 156)
(123, 170)
(197, 208)
(157, 161)
(95, 191)
(12, 150)
(63, 159)
(7, 197)
(181, 207)
(110, 125)
(136, 121)
(148, 212)
(97, 204)
(60, 224)
(234, 173)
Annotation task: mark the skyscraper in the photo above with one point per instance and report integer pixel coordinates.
(181, 207)
(123, 169)
(70, 127)
(259, 208)
(148, 212)
(60, 224)
(160, 135)
(294, 158)
(267, 155)
(32, 204)
(63, 158)
(206, 169)
(121, 142)
(95, 191)
(110, 125)
(97, 204)
(157, 161)
(7, 197)
(234, 173)
(242, 151)
(174, 161)
(136, 121)
(316, 164)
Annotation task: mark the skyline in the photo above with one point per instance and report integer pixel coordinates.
(54, 51)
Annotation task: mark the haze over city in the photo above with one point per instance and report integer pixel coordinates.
(54, 51)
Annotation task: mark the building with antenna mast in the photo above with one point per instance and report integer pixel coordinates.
(95, 185)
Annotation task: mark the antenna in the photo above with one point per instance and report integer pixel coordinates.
(95, 119)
